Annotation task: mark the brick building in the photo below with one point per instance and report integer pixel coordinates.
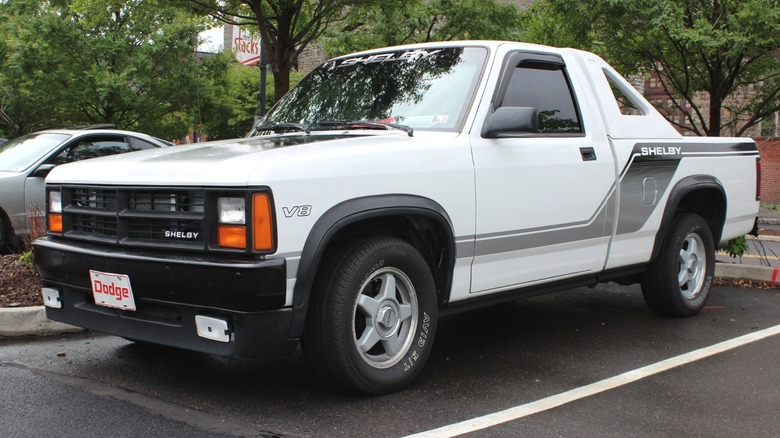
(653, 91)
(769, 148)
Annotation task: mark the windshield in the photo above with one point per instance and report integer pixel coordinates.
(423, 89)
(21, 153)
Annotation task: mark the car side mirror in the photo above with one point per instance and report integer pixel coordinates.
(43, 170)
(509, 120)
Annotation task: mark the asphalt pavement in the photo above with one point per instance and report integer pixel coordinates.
(585, 362)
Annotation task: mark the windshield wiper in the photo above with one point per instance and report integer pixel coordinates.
(365, 125)
(283, 127)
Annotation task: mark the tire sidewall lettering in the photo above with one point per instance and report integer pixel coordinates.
(413, 359)
(377, 266)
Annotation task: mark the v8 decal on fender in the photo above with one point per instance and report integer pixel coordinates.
(297, 210)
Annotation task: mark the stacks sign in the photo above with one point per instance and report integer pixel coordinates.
(246, 47)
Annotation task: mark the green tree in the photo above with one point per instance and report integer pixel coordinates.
(229, 106)
(25, 94)
(128, 63)
(712, 48)
(397, 22)
(286, 27)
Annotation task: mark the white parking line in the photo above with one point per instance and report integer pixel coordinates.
(563, 398)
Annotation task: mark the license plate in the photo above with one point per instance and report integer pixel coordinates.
(112, 290)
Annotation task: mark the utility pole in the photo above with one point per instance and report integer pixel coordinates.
(263, 65)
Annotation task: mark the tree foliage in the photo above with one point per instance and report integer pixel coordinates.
(128, 63)
(396, 22)
(229, 104)
(286, 27)
(712, 48)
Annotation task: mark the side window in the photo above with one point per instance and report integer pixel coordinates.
(92, 147)
(624, 102)
(544, 87)
(136, 144)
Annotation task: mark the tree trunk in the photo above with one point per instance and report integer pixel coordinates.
(281, 73)
(716, 106)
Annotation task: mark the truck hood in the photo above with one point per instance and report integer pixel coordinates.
(220, 163)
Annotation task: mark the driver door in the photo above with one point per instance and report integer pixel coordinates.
(543, 191)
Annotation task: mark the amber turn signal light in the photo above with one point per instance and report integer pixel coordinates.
(55, 223)
(262, 222)
(231, 236)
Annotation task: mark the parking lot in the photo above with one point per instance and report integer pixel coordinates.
(588, 362)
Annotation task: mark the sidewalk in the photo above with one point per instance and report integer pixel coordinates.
(767, 216)
(768, 222)
(32, 320)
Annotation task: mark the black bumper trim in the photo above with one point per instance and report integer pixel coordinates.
(170, 290)
(243, 285)
(254, 334)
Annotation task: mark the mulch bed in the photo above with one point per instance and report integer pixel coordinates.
(19, 286)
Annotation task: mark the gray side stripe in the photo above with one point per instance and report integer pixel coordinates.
(464, 247)
(593, 227)
(632, 214)
(544, 238)
(633, 211)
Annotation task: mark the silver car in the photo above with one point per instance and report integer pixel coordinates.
(25, 162)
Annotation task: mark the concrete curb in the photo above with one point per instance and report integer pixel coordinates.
(23, 321)
(765, 238)
(31, 321)
(732, 271)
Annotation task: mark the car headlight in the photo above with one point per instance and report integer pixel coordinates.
(55, 211)
(232, 211)
(238, 225)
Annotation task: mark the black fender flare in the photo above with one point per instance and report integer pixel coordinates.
(349, 212)
(684, 187)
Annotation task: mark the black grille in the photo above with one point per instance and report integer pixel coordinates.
(170, 201)
(102, 226)
(137, 217)
(94, 198)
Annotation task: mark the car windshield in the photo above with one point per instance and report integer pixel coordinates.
(427, 89)
(19, 154)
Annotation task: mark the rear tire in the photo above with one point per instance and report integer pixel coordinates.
(372, 317)
(678, 282)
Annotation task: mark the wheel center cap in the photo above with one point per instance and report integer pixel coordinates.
(387, 317)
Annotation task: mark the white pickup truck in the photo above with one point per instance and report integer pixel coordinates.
(388, 188)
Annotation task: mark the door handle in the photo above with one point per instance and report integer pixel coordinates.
(588, 154)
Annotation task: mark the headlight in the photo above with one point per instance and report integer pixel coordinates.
(55, 211)
(232, 211)
(55, 202)
(246, 223)
(231, 229)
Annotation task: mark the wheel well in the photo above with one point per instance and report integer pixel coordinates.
(426, 235)
(705, 198)
(710, 205)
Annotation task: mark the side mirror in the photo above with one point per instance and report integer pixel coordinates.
(43, 170)
(509, 120)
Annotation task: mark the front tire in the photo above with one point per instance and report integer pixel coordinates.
(678, 282)
(372, 317)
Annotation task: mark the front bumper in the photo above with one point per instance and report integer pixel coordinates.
(170, 290)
